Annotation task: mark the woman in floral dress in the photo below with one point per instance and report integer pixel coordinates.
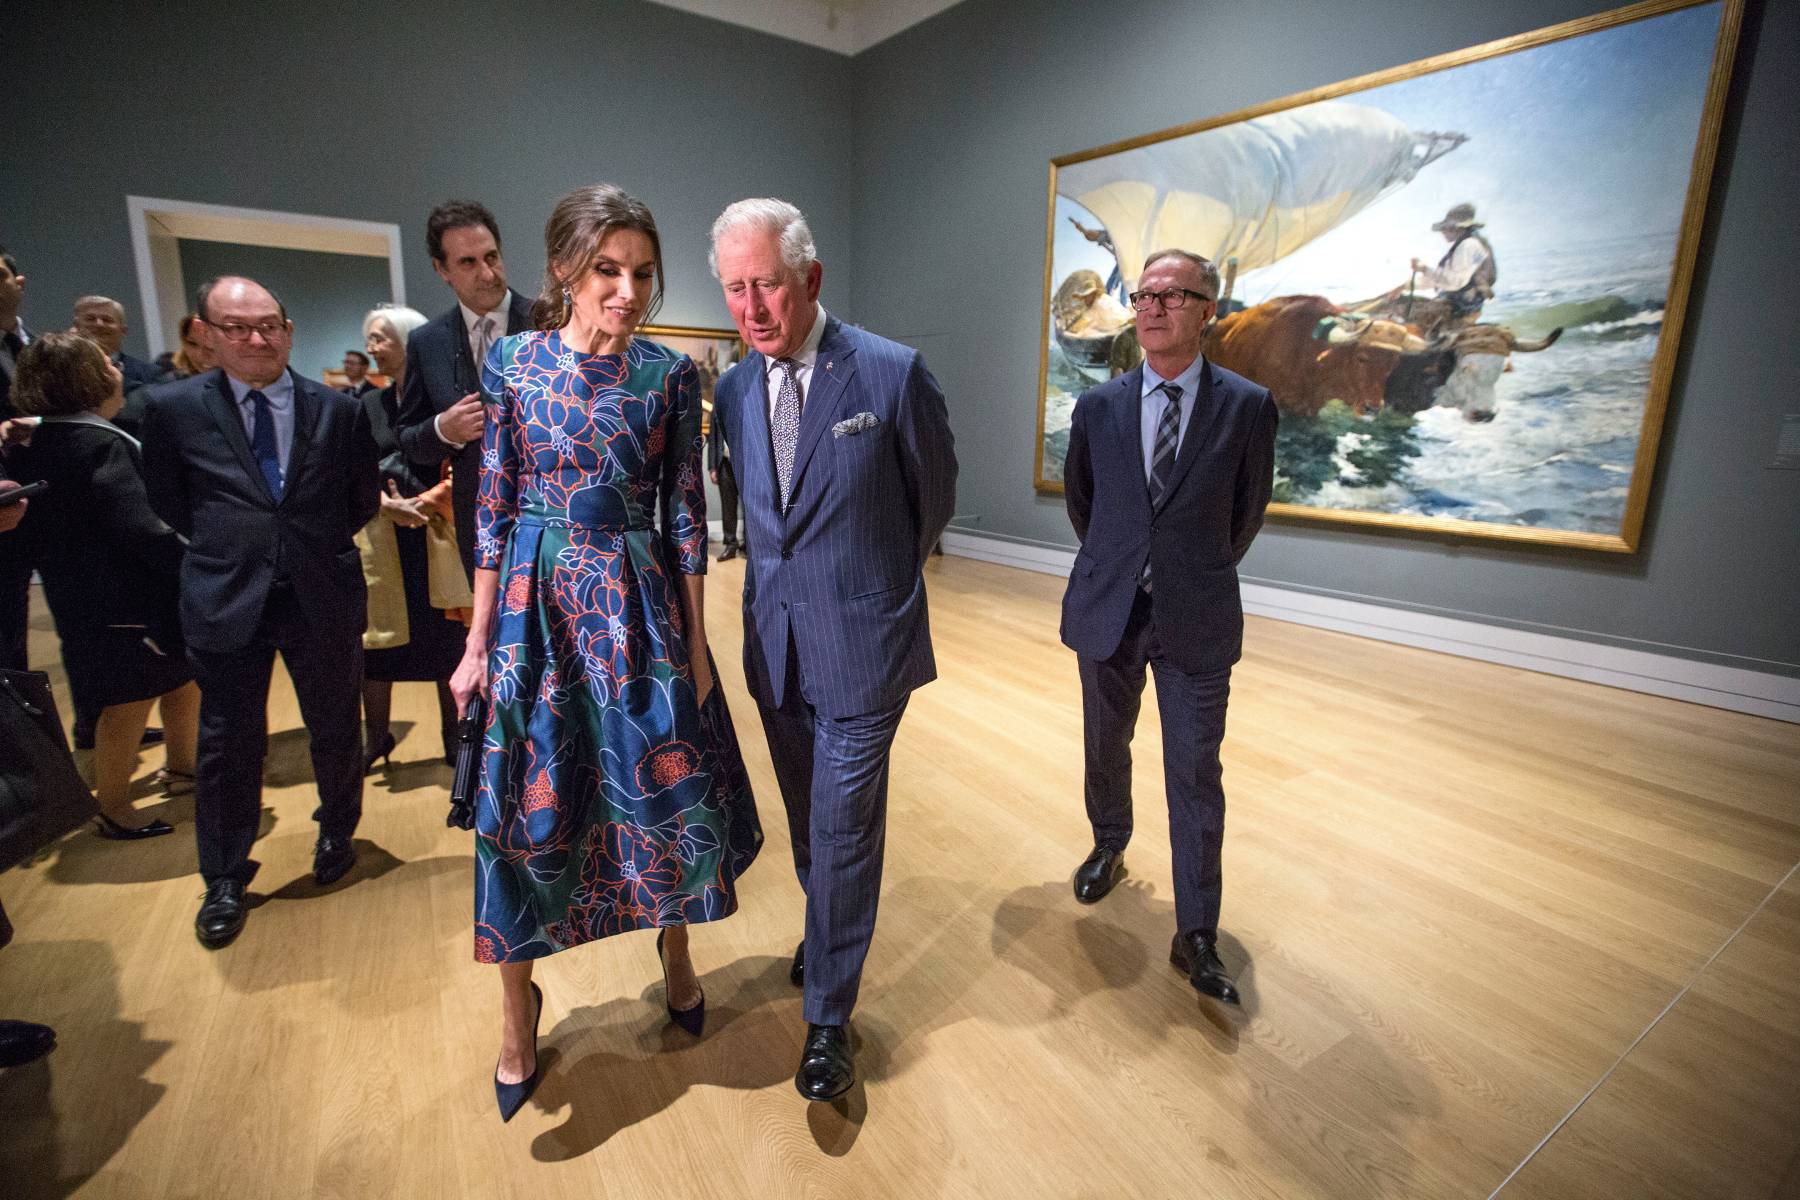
(612, 794)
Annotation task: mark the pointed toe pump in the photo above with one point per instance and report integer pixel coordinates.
(512, 1096)
(691, 1019)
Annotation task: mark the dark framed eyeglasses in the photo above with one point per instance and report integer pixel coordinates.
(238, 331)
(1168, 297)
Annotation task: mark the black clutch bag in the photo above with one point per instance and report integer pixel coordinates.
(469, 733)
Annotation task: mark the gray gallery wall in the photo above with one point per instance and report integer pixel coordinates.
(956, 121)
(923, 163)
(249, 104)
(326, 295)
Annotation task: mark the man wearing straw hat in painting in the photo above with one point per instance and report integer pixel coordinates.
(1464, 277)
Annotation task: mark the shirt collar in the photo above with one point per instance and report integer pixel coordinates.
(808, 353)
(1188, 381)
(280, 393)
(471, 318)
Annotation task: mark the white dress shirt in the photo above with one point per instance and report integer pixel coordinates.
(804, 359)
(1458, 266)
(1150, 406)
(471, 318)
(281, 408)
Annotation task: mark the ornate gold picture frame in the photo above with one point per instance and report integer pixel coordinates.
(1463, 279)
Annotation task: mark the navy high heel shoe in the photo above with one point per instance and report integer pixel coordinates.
(691, 1019)
(512, 1096)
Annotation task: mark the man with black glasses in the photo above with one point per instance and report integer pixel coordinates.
(269, 476)
(1169, 469)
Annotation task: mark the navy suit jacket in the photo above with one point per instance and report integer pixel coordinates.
(440, 370)
(203, 480)
(1210, 512)
(840, 571)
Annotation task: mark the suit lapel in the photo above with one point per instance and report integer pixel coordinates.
(518, 315)
(467, 378)
(306, 419)
(757, 467)
(832, 370)
(1128, 425)
(1199, 429)
(225, 414)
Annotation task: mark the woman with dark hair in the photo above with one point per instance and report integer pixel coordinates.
(110, 571)
(418, 594)
(612, 794)
(191, 357)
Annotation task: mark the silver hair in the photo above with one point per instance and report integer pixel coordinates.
(779, 217)
(1209, 274)
(97, 301)
(401, 319)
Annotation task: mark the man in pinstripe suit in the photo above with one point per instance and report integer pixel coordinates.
(847, 475)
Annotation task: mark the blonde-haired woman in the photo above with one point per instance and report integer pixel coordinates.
(418, 594)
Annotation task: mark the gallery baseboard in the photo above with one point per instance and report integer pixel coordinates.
(1761, 693)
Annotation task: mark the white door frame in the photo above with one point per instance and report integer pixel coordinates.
(157, 225)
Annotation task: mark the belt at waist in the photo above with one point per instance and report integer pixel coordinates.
(598, 527)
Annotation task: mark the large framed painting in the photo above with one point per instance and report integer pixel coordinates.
(1462, 279)
(714, 351)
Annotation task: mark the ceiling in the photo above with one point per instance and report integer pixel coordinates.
(846, 26)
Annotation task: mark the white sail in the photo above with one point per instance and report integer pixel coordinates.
(1256, 190)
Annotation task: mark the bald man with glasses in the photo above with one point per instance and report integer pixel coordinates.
(1169, 469)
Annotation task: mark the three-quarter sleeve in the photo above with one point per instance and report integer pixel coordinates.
(497, 499)
(683, 483)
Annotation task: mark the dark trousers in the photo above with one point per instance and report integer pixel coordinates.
(833, 774)
(728, 507)
(234, 734)
(15, 606)
(1193, 724)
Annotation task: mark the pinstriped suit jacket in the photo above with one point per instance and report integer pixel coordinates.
(839, 571)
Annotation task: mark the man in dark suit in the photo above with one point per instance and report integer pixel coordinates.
(356, 374)
(441, 412)
(1169, 470)
(847, 471)
(15, 555)
(269, 476)
(718, 464)
(103, 319)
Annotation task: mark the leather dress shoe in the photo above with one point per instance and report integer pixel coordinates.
(22, 1042)
(727, 554)
(826, 1068)
(332, 859)
(797, 972)
(222, 914)
(1098, 872)
(1196, 957)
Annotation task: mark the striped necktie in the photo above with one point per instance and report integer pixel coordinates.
(1162, 455)
(784, 429)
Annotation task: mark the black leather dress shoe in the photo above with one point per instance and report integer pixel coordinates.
(1098, 872)
(1196, 956)
(332, 859)
(22, 1042)
(730, 552)
(222, 914)
(826, 1068)
(797, 972)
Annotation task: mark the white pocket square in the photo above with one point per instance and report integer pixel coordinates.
(851, 426)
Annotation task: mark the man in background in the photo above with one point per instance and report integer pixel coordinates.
(103, 320)
(356, 373)
(441, 414)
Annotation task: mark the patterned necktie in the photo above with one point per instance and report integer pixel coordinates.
(262, 442)
(1162, 455)
(484, 338)
(784, 430)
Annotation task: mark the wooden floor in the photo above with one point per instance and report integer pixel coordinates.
(1497, 932)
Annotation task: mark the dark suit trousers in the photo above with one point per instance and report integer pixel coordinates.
(833, 775)
(15, 607)
(1193, 723)
(728, 507)
(234, 737)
